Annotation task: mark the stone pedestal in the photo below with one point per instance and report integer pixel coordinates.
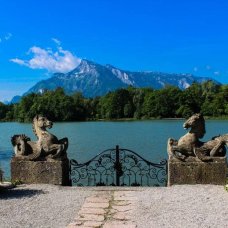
(40, 172)
(194, 171)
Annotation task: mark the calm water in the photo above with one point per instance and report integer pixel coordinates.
(147, 138)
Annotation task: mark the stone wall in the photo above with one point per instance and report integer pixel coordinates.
(194, 171)
(40, 172)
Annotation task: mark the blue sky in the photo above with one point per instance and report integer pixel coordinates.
(38, 38)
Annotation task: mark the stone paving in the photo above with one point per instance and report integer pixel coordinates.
(107, 209)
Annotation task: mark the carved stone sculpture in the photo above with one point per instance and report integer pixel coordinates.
(190, 144)
(47, 146)
(213, 148)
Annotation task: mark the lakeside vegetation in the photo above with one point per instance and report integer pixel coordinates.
(139, 103)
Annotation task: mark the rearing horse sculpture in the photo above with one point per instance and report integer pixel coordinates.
(47, 146)
(190, 145)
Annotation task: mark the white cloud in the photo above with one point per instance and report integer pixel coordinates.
(58, 42)
(19, 61)
(5, 37)
(195, 69)
(216, 73)
(8, 36)
(59, 61)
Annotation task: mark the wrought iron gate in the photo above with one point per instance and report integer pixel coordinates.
(118, 167)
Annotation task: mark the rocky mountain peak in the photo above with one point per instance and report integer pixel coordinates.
(94, 79)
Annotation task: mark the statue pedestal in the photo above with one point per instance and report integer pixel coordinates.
(40, 172)
(194, 171)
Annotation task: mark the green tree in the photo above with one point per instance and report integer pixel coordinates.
(116, 105)
(191, 100)
(162, 103)
(208, 98)
(3, 110)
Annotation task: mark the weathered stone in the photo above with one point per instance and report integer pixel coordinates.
(194, 171)
(123, 203)
(40, 172)
(93, 224)
(75, 224)
(119, 224)
(78, 223)
(123, 208)
(95, 211)
(124, 193)
(91, 217)
(97, 200)
(125, 198)
(190, 145)
(47, 146)
(122, 216)
(96, 205)
(72, 225)
(117, 214)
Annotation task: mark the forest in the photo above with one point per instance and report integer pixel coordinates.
(208, 98)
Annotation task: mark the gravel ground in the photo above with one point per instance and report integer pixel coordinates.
(177, 206)
(40, 206)
(183, 206)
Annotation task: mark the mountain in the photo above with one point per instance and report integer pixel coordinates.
(93, 79)
(15, 99)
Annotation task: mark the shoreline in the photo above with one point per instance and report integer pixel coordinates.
(123, 120)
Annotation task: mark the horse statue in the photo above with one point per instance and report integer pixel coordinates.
(190, 144)
(216, 147)
(47, 146)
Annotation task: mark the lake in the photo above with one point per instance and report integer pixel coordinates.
(87, 139)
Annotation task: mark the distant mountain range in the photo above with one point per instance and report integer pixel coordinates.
(93, 79)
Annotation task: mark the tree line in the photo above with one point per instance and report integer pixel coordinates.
(139, 103)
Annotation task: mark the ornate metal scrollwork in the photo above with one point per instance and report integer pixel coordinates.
(118, 167)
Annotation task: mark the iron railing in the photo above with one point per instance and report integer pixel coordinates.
(118, 167)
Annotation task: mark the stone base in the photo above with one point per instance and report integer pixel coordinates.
(194, 171)
(40, 172)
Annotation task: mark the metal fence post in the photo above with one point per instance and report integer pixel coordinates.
(117, 166)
